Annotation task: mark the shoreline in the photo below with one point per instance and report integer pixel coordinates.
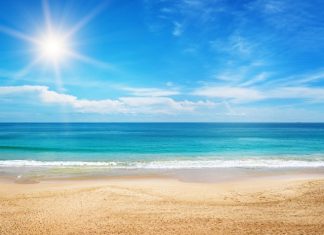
(198, 175)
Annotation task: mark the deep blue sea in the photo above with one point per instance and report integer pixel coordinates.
(162, 145)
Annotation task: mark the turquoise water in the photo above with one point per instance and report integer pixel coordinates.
(159, 145)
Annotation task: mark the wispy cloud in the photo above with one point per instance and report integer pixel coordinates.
(154, 92)
(268, 6)
(298, 80)
(240, 45)
(243, 75)
(288, 17)
(244, 94)
(235, 94)
(178, 29)
(256, 79)
(312, 94)
(162, 14)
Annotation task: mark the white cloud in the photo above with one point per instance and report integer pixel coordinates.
(162, 105)
(143, 104)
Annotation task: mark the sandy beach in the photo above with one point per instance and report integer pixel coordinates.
(160, 205)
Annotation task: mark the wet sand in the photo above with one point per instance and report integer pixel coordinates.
(160, 205)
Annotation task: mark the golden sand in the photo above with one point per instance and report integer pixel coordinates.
(163, 206)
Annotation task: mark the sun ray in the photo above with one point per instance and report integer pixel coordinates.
(60, 88)
(18, 34)
(86, 19)
(90, 60)
(24, 71)
(47, 15)
(58, 79)
(4, 73)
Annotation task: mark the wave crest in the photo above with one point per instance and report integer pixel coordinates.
(171, 164)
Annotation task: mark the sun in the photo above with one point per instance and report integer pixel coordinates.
(53, 47)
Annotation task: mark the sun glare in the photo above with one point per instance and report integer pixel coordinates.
(53, 47)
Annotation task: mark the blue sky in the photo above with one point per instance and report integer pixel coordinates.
(163, 60)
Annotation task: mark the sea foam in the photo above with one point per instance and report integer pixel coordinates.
(170, 164)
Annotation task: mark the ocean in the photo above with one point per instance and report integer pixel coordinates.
(162, 145)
